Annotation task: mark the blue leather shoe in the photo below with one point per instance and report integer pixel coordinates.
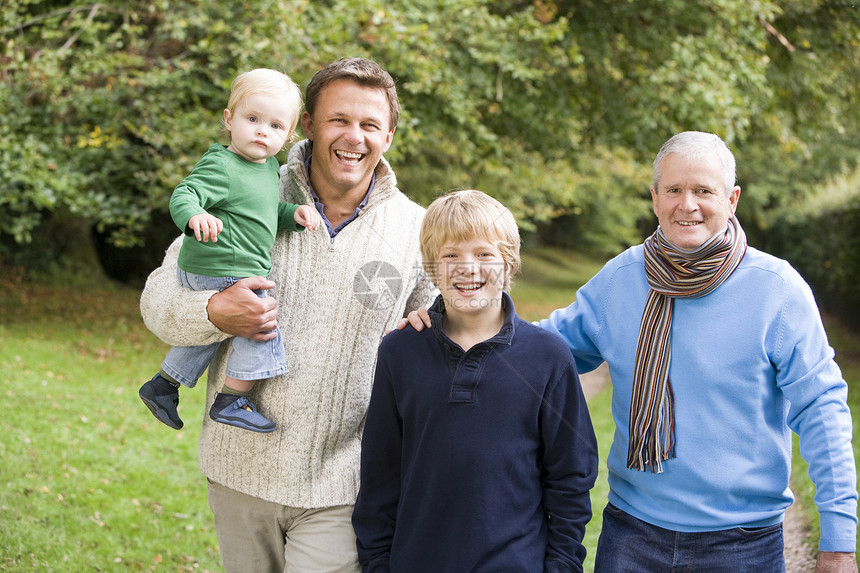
(162, 399)
(240, 412)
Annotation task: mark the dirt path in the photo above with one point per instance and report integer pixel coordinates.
(798, 554)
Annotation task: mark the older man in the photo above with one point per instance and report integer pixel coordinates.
(716, 352)
(283, 501)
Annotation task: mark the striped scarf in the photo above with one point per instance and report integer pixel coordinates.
(671, 274)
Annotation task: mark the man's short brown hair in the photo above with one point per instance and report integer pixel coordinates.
(365, 73)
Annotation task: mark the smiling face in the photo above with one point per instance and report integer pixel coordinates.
(692, 202)
(350, 131)
(470, 275)
(260, 126)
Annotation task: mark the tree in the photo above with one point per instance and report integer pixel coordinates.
(556, 107)
(809, 131)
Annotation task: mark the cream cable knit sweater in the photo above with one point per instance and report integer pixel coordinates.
(336, 298)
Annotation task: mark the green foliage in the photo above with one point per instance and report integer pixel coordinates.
(809, 130)
(85, 105)
(549, 279)
(554, 106)
(818, 234)
(657, 67)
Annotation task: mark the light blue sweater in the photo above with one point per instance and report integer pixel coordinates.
(749, 361)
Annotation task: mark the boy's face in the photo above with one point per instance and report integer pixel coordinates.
(259, 127)
(471, 276)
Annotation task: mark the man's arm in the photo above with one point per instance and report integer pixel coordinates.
(182, 317)
(422, 296)
(417, 318)
(240, 312)
(818, 413)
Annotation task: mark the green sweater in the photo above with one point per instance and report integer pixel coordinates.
(244, 195)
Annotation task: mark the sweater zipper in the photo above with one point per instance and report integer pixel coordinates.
(331, 248)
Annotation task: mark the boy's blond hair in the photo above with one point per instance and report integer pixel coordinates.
(268, 82)
(463, 216)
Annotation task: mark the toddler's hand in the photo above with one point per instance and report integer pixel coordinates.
(308, 217)
(206, 227)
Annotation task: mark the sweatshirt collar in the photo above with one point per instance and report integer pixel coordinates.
(505, 334)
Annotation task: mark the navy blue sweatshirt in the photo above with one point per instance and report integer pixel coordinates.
(475, 461)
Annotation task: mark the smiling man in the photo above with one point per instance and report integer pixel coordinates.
(347, 124)
(693, 199)
(283, 501)
(717, 353)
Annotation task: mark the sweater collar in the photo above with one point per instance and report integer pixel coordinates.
(385, 182)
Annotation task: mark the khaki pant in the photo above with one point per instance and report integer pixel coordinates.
(257, 536)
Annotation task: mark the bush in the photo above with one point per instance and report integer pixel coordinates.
(819, 237)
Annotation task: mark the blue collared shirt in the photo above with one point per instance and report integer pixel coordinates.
(333, 231)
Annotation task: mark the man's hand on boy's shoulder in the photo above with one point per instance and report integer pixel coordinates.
(417, 318)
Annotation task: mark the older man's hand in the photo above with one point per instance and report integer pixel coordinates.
(832, 562)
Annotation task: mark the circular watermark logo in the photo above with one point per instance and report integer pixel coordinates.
(377, 285)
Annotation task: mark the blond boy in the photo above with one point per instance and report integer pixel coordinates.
(478, 452)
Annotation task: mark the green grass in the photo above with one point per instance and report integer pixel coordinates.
(89, 481)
